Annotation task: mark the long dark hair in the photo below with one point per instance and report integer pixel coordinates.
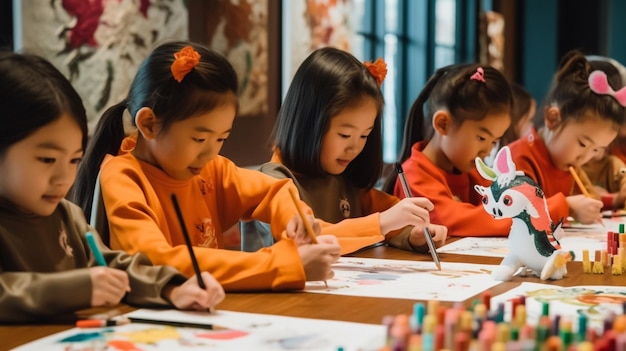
(211, 83)
(33, 94)
(327, 82)
(451, 88)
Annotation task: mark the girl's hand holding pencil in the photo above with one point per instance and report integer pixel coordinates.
(317, 253)
(317, 259)
(108, 286)
(205, 291)
(190, 295)
(585, 208)
(297, 229)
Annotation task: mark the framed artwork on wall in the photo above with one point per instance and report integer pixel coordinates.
(239, 31)
(313, 24)
(492, 40)
(247, 33)
(97, 44)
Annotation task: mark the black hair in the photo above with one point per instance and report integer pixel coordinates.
(571, 93)
(33, 94)
(211, 83)
(451, 88)
(328, 81)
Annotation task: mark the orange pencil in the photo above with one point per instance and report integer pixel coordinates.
(307, 225)
(581, 186)
(99, 323)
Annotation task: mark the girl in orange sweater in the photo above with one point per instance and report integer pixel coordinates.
(47, 267)
(183, 102)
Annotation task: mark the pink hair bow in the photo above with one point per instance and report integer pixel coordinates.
(479, 75)
(599, 84)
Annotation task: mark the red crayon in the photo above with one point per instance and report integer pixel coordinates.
(609, 242)
(514, 303)
(440, 333)
(99, 323)
(461, 342)
(486, 299)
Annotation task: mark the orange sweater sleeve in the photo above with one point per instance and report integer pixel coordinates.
(139, 222)
(356, 233)
(352, 233)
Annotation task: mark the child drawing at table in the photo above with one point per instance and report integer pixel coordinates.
(606, 171)
(328, 139)
(582, 114)
(46, 267)
(183, 103)
(468, 111)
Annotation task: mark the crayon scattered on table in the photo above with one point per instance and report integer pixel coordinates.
(597, 268)
(586, 262)
(453, 332)
(616, 268)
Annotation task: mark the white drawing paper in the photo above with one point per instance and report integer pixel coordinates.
(232, 331)
(399, 279)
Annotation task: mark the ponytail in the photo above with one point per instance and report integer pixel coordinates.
(416, 127)
(107, 139)
(455, 89)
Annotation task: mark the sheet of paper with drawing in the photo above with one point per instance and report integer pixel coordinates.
(414, 280)
(595, 302)
(574, 239)
(232, 331)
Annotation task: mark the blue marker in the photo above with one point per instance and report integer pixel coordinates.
(95, 250)
(581, 333)
(419, 310)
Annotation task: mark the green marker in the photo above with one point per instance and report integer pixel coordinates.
(95, 250)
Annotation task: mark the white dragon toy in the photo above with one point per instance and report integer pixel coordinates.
(532, 241)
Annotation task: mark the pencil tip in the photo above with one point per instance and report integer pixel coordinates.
(398, 167)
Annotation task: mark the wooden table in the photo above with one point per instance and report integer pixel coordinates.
(335, 307)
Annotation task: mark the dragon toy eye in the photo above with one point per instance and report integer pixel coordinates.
(507, 200)
(485, 199)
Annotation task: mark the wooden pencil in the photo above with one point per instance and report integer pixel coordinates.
(581, 186)
(307, 225)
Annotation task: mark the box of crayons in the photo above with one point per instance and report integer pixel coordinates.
(482, 327)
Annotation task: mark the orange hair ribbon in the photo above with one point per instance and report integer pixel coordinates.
(378, 69)
(185, 60)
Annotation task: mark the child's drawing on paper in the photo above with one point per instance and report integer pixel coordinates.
(99, 44)
(595, 302)
(574, 240)
(406, 279)
(146, 337)
(477, 246)
(231, 331)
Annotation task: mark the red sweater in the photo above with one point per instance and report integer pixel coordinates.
(531, 156)
(457, 204)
